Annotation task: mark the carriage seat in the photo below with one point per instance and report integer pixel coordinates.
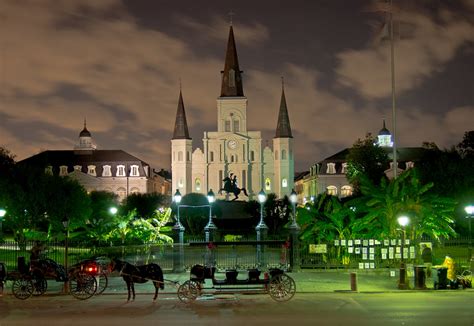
(200, 272)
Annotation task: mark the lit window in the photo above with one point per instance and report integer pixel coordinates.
(332, 190)
(410, 165)
(346, 191)
(134, 171)
(78, 168)
(91, 170)
(284, 183)
(106, 171)
(268, 184)
(120, 170)
(121, 193)
(197, 184)
(331, 168)
(283, 154)
(63, 170)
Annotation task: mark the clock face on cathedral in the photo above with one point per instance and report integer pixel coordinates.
(232, 144)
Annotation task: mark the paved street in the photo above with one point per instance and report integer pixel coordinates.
(410, 308)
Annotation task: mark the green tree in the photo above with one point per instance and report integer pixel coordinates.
(145, 204)
(368, 159)
(325, 220)
(380, 205)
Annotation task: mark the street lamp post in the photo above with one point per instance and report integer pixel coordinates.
(294, 231)
(210, 228)
(3, 212)
(403, 221)
(178, 228)
(261, 228)
(66, 249)
(470, 215)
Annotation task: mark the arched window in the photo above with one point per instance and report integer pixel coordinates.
(188, 156)
(331, 168)
(268, 184)
(134, 171)
(197, 185)
(332, 190)
(63, 170)
(121, 193)
(91, 170)
(134, 190)
(346, 191)
(252, 155)
(283, 154)
(120, 171)
(236, 125)
(276, 155)
(211, 156)
(180, 156)
(227, 125)
(106, 172)
(284, 183)
(180, 183)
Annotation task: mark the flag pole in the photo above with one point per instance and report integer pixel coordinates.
(394, 113)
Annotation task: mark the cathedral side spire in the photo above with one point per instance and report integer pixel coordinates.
(232, 75)
(181, 125)
(283, 129)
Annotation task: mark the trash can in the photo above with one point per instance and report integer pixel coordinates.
(440, 277)
(420, 277)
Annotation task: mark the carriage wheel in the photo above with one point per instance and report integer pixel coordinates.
(188, 291)
(102, 282)
(39, 283)
(22, 288)
(282, 287)
(82, 286)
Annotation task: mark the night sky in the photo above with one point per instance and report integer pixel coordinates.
(118, 64)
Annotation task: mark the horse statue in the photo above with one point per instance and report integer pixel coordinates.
(138, 274)
(230, 186)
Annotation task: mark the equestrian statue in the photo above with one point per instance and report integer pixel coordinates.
(231, 186)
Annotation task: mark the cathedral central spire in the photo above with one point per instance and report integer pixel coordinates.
(232, 75)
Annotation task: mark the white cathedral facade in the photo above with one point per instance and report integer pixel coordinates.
(233, 149)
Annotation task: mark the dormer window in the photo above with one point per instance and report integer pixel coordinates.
(331, 168)
(106, 172)
(91, 170)
(346, 191)
(344, 168)
(78, 168)
(63, 170)
(49, 170)
(410, 165)
(134, 171)
(120, 170)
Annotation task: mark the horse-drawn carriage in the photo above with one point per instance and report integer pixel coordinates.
(31, 279)
(279, 285)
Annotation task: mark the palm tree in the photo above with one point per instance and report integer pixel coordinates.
(379, 207)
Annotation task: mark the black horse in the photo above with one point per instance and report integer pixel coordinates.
(138, 274)
(230, 186)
